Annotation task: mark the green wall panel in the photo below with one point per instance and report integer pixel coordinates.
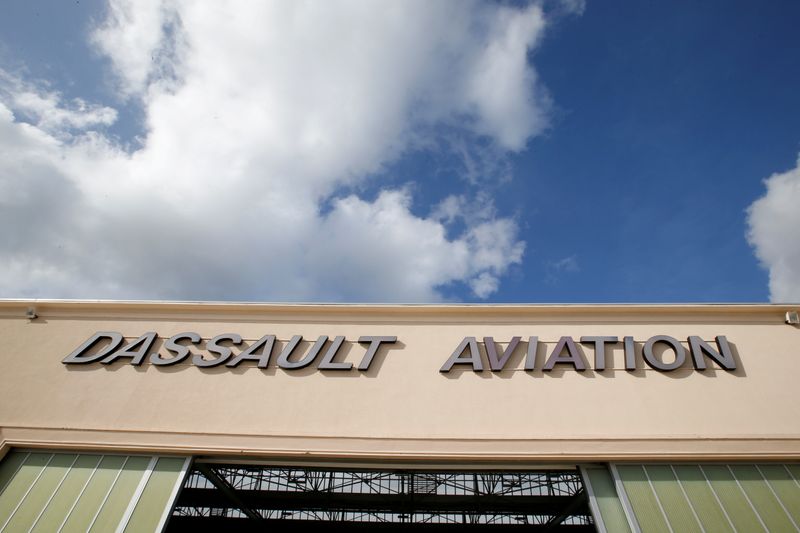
(794, 469)
(9, 466)
(713, 497)
(95, 492)
(786, 488)
(733, 499)
(151, 505)
(670, 494)
(642, 499)
(120, 496)
(604, 495)
(47, 492)
(22, 482)
(40, 493)
(705, 504)
(762, 498)
(65, 497)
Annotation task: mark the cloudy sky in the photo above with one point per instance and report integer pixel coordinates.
(415, 151)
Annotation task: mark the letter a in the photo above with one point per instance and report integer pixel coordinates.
(474, 358)
(573, 358)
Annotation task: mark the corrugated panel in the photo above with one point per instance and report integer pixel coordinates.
(20, 485)
(160, 488)
(795, 471)
(676, 506)
(704, 502)
(64, 498)
(84, 492)
(90, 500)
(120, 496)
(785, 487)
(763, 498)
(31, 507)
(643, 499)
(713, 497)
(733, 499)
(604, 500)
(9, 466)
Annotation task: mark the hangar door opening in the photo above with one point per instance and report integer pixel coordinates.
(241, 497)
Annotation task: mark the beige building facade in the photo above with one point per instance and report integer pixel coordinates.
(672, 417)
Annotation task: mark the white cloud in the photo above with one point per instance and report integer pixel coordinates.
(555, 269)
(141, 37)
(565, 264)
(50, 116)
(45, 110)
(576, 7)
(774, 232)
(257, 114)
(500, 82)
(484, 285)
(450, 209)
(469, 211)
(412, 254)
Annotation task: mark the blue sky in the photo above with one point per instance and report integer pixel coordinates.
(445, 151)
(670, 116)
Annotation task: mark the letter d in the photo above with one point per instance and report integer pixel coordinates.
(77, 356)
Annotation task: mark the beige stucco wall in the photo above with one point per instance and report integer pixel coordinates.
(403, 408)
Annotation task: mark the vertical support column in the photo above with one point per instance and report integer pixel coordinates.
(604, 502)
(173, 496)
(623, 498)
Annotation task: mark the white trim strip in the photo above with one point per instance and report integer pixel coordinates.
(28, 454)
(174, 494)
(746, 497)
(52, 495)
(658, 500)
(796, 482)
(688, 500)
(137, 494)
(716, 497)
(623, 496)
(105, 499)
(769, 486)
(78, 497)
(11, 516)
(598, 518)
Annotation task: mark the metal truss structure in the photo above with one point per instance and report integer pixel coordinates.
(253, 497)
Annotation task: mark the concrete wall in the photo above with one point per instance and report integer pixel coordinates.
(403, 408)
